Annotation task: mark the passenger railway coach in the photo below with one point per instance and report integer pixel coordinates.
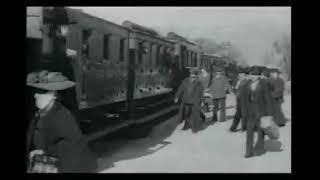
(122, 72)
(125, 74)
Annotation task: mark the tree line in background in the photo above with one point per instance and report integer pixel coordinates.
(278, 55)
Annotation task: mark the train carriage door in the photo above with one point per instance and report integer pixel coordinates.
(74, 44)
(96, 67)
(183, 56)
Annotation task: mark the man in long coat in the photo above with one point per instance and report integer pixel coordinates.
(191, 93)
(240, 101)
(277, 89)
(218, 87)
(258, 105)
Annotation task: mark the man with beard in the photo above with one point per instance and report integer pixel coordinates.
(191, 94)
(258, 106)
(240, 101)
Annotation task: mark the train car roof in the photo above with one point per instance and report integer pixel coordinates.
(214, 55)
(71, 10)
(175, 36)
(92, 16)
(152, 36)
(137, 28)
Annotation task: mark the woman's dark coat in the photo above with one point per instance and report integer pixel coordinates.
(60, 136)
(197, 93)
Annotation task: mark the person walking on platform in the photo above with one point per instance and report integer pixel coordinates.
(240, 101)
(204, 77)
(218, 87)
(277, 89)
(191, 93)
(258, 106)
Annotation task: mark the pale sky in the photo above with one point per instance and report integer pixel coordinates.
(251, 29)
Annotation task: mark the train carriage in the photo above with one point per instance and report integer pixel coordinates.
(121, 71)
(125, 74)
(102, 58)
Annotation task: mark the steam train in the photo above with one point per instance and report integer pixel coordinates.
(125, 74)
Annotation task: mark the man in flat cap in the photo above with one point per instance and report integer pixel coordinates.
(191, 93)
(218, 87)
(240, 100)
(277, 89)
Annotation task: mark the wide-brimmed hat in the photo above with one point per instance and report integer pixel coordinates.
(247, 70)
(51, 81)
(255, 70)
(266, 71)
(274, 70)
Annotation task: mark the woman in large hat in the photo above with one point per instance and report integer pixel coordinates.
(54, 138)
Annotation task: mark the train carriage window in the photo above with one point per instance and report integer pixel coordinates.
(193, 59)
(201, 61)
(106, 46)
(190, 57)
(140, 52)
(158, 55)
(187, 58)
(150, 57)
(85, 41)
(122, 49)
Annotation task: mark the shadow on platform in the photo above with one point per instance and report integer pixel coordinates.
(273, 146)
(113, 148)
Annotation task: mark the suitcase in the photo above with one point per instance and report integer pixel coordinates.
(269, 127)
(43, 164)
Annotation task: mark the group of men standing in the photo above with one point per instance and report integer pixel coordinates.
(259, 93)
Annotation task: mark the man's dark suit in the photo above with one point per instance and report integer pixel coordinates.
(240, 106)
(258, 105)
